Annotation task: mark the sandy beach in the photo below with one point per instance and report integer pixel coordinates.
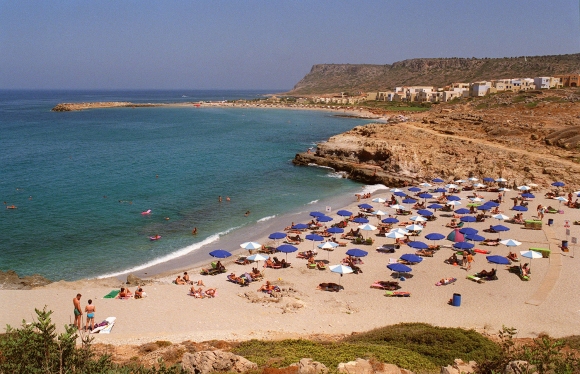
(545, 304)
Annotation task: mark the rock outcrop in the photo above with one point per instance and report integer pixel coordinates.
(9, 280)
(361, 366)
(309, 366)
(460, 367)
(205, 362)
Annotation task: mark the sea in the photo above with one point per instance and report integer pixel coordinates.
(80, 181)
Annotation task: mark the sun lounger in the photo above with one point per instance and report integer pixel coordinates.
(386, 285)
(388, 248)
(397, 294)
(475, 279)
(105, 327)
(111, 295)
(242, 260)
(483, 251)
(213, 270)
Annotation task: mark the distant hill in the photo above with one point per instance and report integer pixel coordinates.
(333, 78)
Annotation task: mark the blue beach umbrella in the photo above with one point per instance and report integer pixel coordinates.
(468, 231)
(286, 248)
(488, 179)
(528, 195)
(434, 236)
(520, 208)
(492, 204)
(335, 230)
(355, 252)
(558, 184)
(400, 194)
(437, 180)
(425, 212)
(220, 253)
(317, 214)
(453, 198)
(365, 206)
(300, 226)
(399, 268)
(475, 238)
(314, 237)
(435, 206)
(360, 220)
(462, 211)
(425, 195)
(414, 189)
(344, 213)
(390, 220)
(468, 219)
(440, 190)
(500, 260)
(418, 245)
(411, 258)
(409, 201)
(324, 219)
(463, 245)
(277, 235)
(484, 207)
(500, 228)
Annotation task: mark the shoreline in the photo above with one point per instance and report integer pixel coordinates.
(173, 315)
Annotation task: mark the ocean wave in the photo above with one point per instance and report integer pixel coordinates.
(266, 218)
(171, 256)
(374, 187)
(320, 166)
(312, 202)
(338, 174)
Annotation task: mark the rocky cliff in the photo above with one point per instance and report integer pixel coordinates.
(332, 78)
(502, 135)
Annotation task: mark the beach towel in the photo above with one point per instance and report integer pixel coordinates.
(111, 295)
(446, 281)
(397, 294)
(104, 327)
(484, 251)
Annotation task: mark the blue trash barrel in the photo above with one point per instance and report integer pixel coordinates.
(456, 299)
(550, 221)
(564, 244)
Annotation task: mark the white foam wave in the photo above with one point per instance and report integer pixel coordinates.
(171, 256)
(312, 202)
(374, 187)
(338, 174)
(320, 166)
(266, 218)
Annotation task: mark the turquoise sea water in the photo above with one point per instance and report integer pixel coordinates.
(80, 180)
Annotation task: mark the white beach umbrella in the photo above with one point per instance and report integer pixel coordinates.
(400, 230)
(418, 219)
(501, 180)
(395, 190)
(453, 203)
(340, 269)
(561, 199)
(380, 213)
(395, 235)
(500, 217)
(251, 245)
(460, 181)
(398, 206)
(524, 188)
(367, 227)
(425, 184)
(531, 255)
(258, 257)
(532, 185)
(503, 189)
(414, 227)
(378, 200)
(472, 179)
(479, 185)
(328, 246)
(451, 186)
(510, 243)
(476, 199)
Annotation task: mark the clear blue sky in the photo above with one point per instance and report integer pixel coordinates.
(259, 44)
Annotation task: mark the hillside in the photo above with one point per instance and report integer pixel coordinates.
(331, 78)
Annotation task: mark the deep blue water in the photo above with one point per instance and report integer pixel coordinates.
(80, 180)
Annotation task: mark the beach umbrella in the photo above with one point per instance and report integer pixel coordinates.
(220, 253)
(501, 180)
(277, 235)
(251, 245)
(524, 188)
(520, 208)
(453, 198)
(492, 204)
(456, 236)
(395, 190)
(425, 212)
(479, 185)
(300, 226)
(317, 214)
(414, 259)
(468, 231)
(500, 217)
(425, 195)
(390, 220)
(344, 213)
(395, 235)
(503, 189)
(528, 195)
(531, 255)
(314, 238)
(286, 248)
(414, 227)
(434, 236)
(355, 252)
(367, 227)
(440, 190)
(453, 203)
(468, 219)
(380, 213)
(335, 230)
(435, 206)
(463, 245)
(324, 219)
(510, 243)
(437, 180)
(561, 199)
(488, 179)
(328, 246)
(460, 181)
(484, 207)
(462, 211)
(400, 194)
(340, 269)
(475, 238)
(401, 230)
(409, 201)
(258, 257)
(378, 200)
(360, 220)
(476, 199)
(365, 206)
(418, 219)
(558, 184)
(418, 245)
(399, 268)
(500, 228)
(398, 206)
(425, 184)
(451, 186)
(499, 260)
(414, 189)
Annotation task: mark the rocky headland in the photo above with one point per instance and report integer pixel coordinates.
(528, 137)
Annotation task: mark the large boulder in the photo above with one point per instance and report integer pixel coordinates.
(309, 366)
(360, 366)
(519, 367)
(459, 367)
(209, 361)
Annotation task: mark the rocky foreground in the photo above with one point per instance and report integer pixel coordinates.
(529, 137)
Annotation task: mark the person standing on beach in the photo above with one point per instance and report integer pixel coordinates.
(77, 311)
(469, 261)
(90, 310)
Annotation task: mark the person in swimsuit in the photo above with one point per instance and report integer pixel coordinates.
(77, 311)
(90, 310)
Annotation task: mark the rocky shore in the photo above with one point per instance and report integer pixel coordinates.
(9, 280)
(71, 107)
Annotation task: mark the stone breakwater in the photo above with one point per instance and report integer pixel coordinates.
(70, 107)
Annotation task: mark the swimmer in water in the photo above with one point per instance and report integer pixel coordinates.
(220, 199)
(227, 198)
(194, 231)
(247, 213)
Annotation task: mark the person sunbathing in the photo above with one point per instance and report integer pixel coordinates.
(179, 280)
(210, 292)
(444, 281)
(186, 278)
(197, 293)
(199, 283)
(139, 293)
(333, 287)
(512, 256)
(480, 218)
(267, 287)
(256, 273)
(452, 224)
(486, 274)
(123, 293)
(453, 260)
(220, 267)
(525, 269)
